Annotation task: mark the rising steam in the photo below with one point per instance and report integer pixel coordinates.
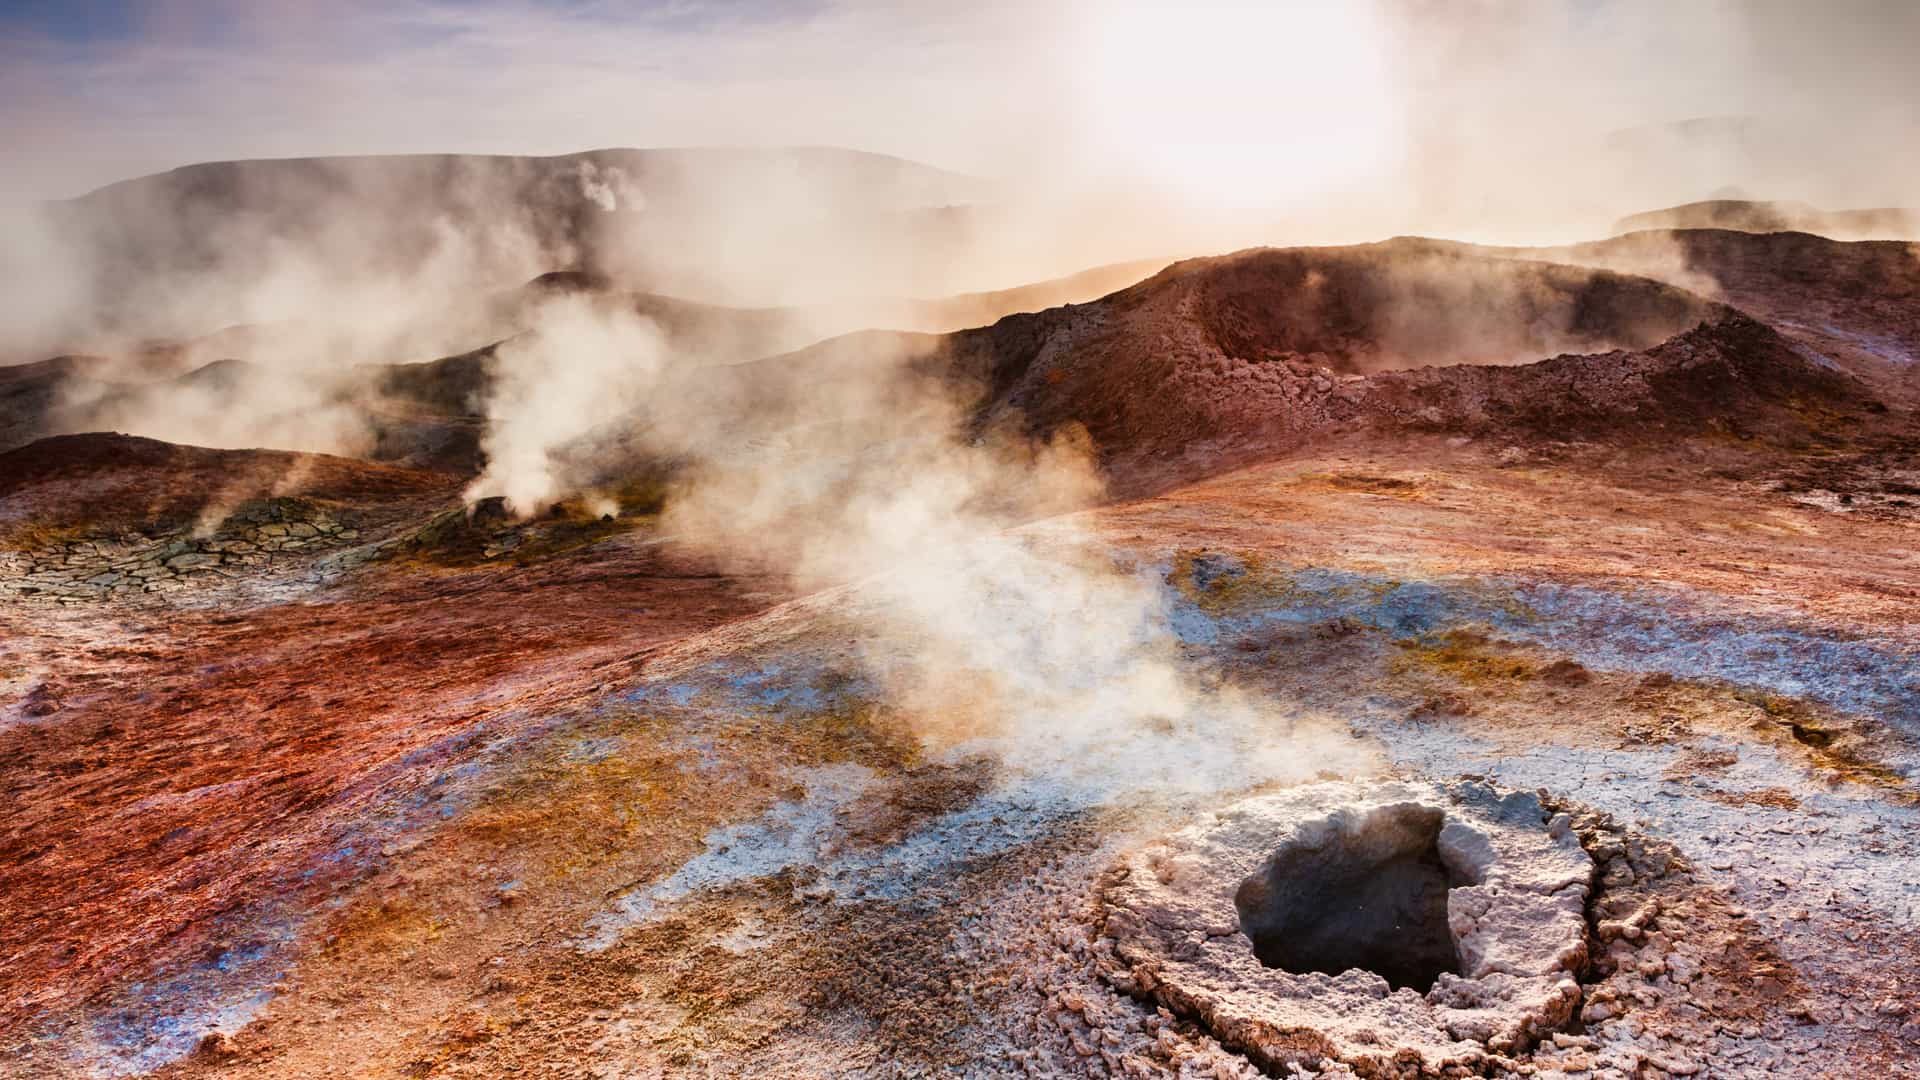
(1315, 124)
(583, 365)
(993, 619)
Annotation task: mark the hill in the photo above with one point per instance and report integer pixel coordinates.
(186, 252)
(1857, 302)
(1770, 217)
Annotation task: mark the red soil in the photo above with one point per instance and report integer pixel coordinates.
(191, 742)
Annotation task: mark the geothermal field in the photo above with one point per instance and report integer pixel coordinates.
(800, 612)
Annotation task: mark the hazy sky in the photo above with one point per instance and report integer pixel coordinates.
(1235, 100)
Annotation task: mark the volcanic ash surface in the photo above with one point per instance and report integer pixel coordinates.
(1402, 929)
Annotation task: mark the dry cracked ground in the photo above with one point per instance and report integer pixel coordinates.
(1602, 728)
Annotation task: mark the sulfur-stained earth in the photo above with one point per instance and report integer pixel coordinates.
(418, 791)
(608, 812)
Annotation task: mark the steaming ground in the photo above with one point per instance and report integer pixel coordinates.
(685, 827)
(785, 718)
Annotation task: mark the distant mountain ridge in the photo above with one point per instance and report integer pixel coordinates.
(1746, 215)
(662, 169)
(186, 252)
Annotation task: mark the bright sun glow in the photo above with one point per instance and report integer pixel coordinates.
(1242, 104)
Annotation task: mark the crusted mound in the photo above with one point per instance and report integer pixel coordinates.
(1248, 347)
(1412, 303)
(1217, 361)
(1403, 303)
(1256, 922)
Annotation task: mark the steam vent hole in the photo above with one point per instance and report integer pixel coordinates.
(1365, 890)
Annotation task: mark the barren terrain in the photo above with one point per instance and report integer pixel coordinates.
(1601, 557)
